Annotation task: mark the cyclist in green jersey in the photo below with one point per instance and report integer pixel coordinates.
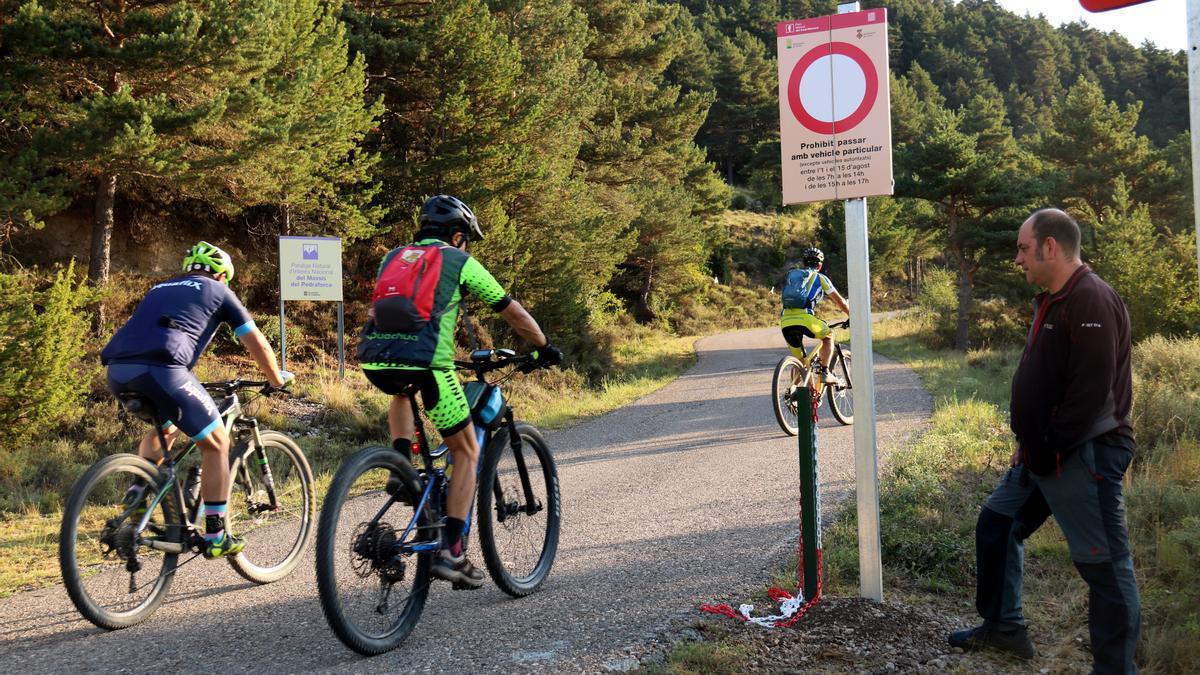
(409, 345)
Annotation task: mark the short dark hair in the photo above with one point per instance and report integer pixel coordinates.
(436, 232)
(1058, 224)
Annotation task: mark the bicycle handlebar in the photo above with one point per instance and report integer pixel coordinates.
(484, 361)
(844, 323)
(228, 387)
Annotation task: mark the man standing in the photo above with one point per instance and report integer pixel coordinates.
(1071, 397)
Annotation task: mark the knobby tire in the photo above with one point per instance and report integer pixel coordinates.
(514, 577)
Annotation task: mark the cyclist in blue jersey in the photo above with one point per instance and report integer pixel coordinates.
(153, 355)
(803, 289)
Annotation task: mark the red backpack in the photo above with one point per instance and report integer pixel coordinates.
(404, 292)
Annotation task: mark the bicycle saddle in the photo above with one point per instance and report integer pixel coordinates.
(139, 406)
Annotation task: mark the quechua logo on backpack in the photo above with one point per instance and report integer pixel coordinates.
(404, 293)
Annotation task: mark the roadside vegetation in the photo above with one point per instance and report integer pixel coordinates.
(931, 493)
(59, 418)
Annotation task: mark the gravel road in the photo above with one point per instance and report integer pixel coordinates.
(684, 497)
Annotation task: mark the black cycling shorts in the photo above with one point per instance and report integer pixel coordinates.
(441, 394)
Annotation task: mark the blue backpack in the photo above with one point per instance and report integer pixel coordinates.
(797, 291)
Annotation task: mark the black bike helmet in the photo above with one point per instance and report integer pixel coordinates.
(450, 214)
(812, 257)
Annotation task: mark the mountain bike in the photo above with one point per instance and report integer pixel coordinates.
(792, 373)
(119, 549)
(375, 550)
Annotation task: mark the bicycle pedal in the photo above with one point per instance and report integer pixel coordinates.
(459, 586)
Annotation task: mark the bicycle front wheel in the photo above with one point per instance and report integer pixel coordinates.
(841, 397)
(520, 510)
(114, 578)
(789, 374)
(373, 569)
(271, 504)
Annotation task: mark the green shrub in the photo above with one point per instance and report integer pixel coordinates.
(938, 306)
(298, 346)
(43, 336)
(996, 323)
(717, 307)
(1163, 496)
(1166, 392)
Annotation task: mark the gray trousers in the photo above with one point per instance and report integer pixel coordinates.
(1084, 496)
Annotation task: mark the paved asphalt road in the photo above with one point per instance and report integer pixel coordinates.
(687, 496)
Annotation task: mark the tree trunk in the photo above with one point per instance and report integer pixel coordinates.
(644, 312)
(102, 227)
(964, 302)
(964, 280)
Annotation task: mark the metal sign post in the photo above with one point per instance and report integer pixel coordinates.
(836, 143)
(862, 369)
(310, 268)
(1193, 20)
(810, 495)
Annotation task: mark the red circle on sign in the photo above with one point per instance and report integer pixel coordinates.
(853, 119)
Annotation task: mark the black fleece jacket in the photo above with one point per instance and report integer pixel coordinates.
(1074, 382)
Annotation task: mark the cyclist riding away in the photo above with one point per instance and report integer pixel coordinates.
(408, 345)
(803, 289)
(153, 355)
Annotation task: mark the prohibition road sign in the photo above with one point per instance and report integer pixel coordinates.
(821, 107)
(835, 130)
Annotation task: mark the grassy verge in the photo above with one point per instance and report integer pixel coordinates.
(931, 494)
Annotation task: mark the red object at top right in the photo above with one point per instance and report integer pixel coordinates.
(1105, 5)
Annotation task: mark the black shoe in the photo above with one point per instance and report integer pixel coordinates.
(1010, 639)
(458, 570)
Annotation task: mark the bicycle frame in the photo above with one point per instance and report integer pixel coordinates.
(811, 355)
(436, 484)
(237, 427)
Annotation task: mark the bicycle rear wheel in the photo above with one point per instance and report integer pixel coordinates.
(372, 585)
(841, 397)
(271, 504)
(114, 580)
(520, 510)
(789, 374)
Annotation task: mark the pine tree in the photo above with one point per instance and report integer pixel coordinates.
(1090, 140)
(177, 96)
(746, 108)
(968, 165)
(1144, 266)
(640, 157)
(496, 114)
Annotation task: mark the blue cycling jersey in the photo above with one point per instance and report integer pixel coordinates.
(174, 323)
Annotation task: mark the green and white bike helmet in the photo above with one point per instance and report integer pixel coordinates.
(204, 257)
